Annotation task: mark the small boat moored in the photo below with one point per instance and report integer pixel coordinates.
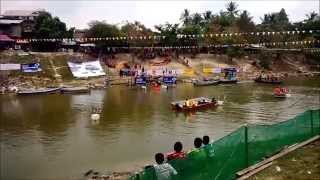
(74, 90)
(195, 104)
(38, 91)
(206, 82)
(230, 76)
(228, 81)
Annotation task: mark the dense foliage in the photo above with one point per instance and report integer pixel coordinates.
(187, 32)
(230, 20)
(47, 26)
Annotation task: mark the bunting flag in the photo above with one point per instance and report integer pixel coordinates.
(179, 36)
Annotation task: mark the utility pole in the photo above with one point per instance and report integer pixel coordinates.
(0, 7)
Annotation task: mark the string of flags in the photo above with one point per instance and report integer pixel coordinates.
(259, 45)
(179, 36)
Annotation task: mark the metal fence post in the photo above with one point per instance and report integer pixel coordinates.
(311, 119)
(318, 112)
(246, 144)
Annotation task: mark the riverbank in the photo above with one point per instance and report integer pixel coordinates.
(55, 71)
(303, 163)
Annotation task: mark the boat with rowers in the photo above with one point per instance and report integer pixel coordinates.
(38, 91)
(268, 79)
(195, 104)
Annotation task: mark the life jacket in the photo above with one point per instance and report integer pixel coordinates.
(176, 155)
(277, 90)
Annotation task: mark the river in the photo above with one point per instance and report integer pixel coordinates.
(52, 136)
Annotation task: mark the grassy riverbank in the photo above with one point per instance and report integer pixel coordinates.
(301, 164)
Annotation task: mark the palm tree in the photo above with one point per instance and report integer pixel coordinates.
(311, 16)
(185, 17)
(232, 8)
(207, 16)
(197, 18)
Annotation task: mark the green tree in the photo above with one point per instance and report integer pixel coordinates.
(233, 52)
(101, 29)
(245, 23)
(170, 32)
(185, 17)
(197, 19)
(47, 26)
(232, 9)
(275, 21)
(137, 29)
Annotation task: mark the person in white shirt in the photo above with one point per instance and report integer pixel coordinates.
(164, 171)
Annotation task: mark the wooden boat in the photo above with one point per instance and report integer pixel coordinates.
(65, 90)
(200, 103)
(228, 81)
(205, 82)
(38, 91)
(261, 80)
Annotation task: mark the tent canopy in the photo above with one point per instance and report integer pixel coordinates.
(5, 38)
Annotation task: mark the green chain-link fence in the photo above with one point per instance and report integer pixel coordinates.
(244, 147)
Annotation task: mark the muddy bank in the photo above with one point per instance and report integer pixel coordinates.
(55, 71)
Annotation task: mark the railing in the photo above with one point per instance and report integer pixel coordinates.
(246, 146)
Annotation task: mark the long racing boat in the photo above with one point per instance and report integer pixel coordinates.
(38, 91)
(195, 104)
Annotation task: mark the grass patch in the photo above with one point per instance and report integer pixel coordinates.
(303, 163)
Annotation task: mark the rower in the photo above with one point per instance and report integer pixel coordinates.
(188, 103)
(213, 100)
(277, 90)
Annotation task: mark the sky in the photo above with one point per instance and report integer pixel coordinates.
(78, 13)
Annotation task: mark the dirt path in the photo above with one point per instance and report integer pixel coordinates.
(57, 76)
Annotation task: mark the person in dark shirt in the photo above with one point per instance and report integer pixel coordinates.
(205, 140)
(197, 145)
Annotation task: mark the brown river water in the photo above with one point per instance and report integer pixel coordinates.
(52, 136)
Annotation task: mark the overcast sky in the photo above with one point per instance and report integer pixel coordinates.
(79, 13)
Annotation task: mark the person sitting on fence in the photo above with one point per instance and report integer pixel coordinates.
(205, 140)
(164, 171)
(178, 153)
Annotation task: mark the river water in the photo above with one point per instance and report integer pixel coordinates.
(52, 136)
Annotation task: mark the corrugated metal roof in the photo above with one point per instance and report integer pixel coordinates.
(10, 21)
(20, 13)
